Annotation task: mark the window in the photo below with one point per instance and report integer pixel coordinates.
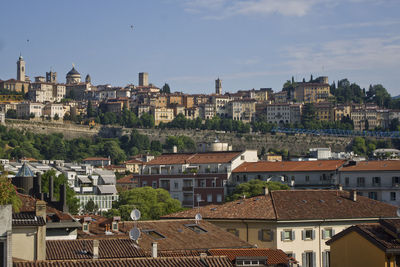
(2, 254)
(219, 198)
(287, 235)
(373, 195)
(360, 181)
(346, 181)
(154, 184)
(307, 179)
(176, 185)
(214, 183)
(308, 234)
(144, 183)
(115, 226)
(209, 198)
(85, 227)
(395, 181)
(154, 234)
(266, 235)
(326, 259)
(309, 259)
(376, 181)
(196, 228)
(327, 233)
(233, 231)
(202, 183)
(242, 157)
(393, 196)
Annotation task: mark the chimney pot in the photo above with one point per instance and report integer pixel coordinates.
(266, 191)
(353, 195)
(154, 249)
(95, 249)
(340, 187)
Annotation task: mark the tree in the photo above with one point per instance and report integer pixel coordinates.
(147, 120)
(359, 147)
(90, 207)
(309, 114)
(253, 188)
(165, 89)
(8, 195)
(151, 202)
(32, 115)
(56, 117)
(90, 110)
(11, 114)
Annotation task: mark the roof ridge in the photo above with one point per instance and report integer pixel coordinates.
(273, 205)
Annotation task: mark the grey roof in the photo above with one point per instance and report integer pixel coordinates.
(108, 177)
(25, 171)
(84, 179)
(107, 189)
(27, 219)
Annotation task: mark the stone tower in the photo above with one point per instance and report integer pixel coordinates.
(218, 87)
(51, 77)
(21, 69)
(143, 79)
(88, 79)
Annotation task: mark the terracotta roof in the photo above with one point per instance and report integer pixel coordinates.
(274, 256)
(206, 261)
(179, 236)
(75, 249)
(129, 179)
(382, 165)
(290, 166)
(303, 205)
(195, 158)
(133, 161)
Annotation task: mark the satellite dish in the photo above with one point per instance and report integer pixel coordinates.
(134, 234)
(135, 214)
(198, 217)
(398, 212)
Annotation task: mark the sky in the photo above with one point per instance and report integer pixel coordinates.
(189, 43)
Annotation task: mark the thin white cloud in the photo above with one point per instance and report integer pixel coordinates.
(345, 55)
(361, 24)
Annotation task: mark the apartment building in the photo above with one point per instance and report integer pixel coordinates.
(312, 92)
(379, 180)
(28, 109)
(243, 110)
(341, 111)
(324, 111)
(163, 115)
(365, 117)
(193, 178)
(52, 110)
(299, 222)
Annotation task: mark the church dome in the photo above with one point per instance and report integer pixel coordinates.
(73, 72)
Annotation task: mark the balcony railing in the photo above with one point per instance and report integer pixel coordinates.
(187, 188)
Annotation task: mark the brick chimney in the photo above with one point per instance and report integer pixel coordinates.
(154, 249)
(63, 198)
(353, 195)
(95, 249)
(51, 189)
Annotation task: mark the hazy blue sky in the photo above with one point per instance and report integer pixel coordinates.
(189, 43)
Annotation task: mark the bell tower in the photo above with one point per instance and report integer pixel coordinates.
(218, 87)
(21, 69)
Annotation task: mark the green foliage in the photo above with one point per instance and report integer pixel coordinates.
(8, 195)
(182, 142)
(347, 92)
(151, 202)
(147, 120)
(90, 207)
(253, 188)
(11, 114)
(72, 201)
(379, 95)
(165, 89)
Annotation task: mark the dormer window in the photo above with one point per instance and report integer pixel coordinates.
(154, 234)
(115, 226)
(196, 228)
(85, 227)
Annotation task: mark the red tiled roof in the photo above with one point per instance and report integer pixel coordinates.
(195, 158)
(381, 165)
(274, 256)
(290, 166)
(215, 261)
(295, 205)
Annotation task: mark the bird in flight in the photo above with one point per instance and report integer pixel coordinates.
(132, 27)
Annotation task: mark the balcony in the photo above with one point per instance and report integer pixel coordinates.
(187, 188)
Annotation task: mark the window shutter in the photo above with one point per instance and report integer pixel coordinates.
(314, 259)
(282, 235)
(313, 235)
(324, 259)
(303, 235)
(304, 259)
(294, 255)
(323, 234)
(293, 237)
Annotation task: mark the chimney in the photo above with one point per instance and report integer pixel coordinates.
(51, 189)
(40, 211)
(353, 195)
(340, 187)
(95, 249)
(174, 149)
(63, 198)
(37, 186)
(154, 249)
(266, 191)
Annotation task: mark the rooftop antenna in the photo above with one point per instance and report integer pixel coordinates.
(134, 233)
(198, 216)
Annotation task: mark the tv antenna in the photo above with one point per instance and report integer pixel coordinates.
(134, 233)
